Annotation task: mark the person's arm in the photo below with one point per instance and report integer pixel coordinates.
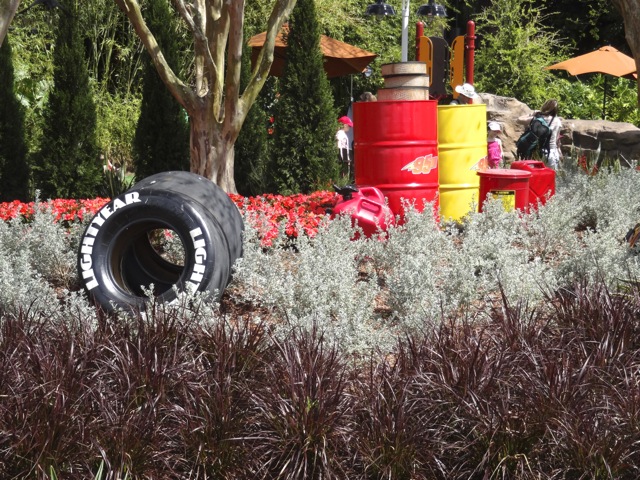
(524, 119)
(556, 125)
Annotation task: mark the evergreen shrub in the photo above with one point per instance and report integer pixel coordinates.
(161, 141)
(68, 162)
(251, 150)
(14, 168)
(303, 154)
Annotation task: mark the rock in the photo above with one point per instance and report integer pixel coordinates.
(614, 139)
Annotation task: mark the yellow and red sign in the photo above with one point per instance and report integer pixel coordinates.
(422, 165)
(481, 165)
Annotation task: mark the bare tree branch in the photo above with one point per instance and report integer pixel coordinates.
(218, 33)
(279, 15)
(182, 93)
(8, 9)
(204, 60)
(234, 65)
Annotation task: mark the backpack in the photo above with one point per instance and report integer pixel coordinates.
(535, 138)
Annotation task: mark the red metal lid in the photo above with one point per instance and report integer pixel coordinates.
(528, 164)
(505, 173)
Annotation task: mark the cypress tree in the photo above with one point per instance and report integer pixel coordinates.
(162, 135)
(251, 148)
(68, 163)
(14, 169)
(304, 153)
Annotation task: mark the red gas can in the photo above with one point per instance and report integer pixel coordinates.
(367, 208)
(510, 186)
(542, 183)
(396, 150)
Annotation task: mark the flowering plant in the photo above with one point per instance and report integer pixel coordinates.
(295, 212)
(270, 212)
(63, 210)
(583, 163)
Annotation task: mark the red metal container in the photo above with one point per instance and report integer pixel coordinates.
(511, 186)
(367, 208)
(542, 183)
(396, 150)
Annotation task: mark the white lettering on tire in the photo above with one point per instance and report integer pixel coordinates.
(200, 256)
(86, 250)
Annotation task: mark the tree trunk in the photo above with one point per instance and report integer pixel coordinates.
(216, 108)
(212, 153)
(8, 9)
(630, 11)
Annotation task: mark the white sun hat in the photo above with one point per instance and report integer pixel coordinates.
(495, 126)
(467, 90)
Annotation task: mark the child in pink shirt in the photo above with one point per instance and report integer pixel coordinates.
(494, 145)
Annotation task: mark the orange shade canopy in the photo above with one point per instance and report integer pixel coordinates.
(339, 58)
(604, 60)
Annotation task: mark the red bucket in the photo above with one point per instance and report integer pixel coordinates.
(396, 150)
(510, 186)
(542, 183)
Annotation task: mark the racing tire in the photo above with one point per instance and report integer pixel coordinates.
(118, 264)
(209, 195)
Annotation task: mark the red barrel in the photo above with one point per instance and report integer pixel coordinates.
(542, 183)
(511, 186)
(396, 150)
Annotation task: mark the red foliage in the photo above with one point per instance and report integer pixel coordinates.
(584, 165)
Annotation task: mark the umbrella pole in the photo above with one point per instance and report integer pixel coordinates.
(351, 92)
(604, 100)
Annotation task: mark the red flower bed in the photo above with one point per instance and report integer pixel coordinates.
(64, 210)
(298, 211)
(269, 211)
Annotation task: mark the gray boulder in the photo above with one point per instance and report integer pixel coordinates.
(614, 139)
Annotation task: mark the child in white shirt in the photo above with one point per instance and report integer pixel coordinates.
(343, 144)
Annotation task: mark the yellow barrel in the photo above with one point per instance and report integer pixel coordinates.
(462, 145)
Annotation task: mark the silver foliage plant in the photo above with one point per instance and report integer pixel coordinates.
(37, 265)
(366, 292)
(322, 279)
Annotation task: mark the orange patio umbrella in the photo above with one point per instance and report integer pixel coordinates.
(606, 60)
(339, 58)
